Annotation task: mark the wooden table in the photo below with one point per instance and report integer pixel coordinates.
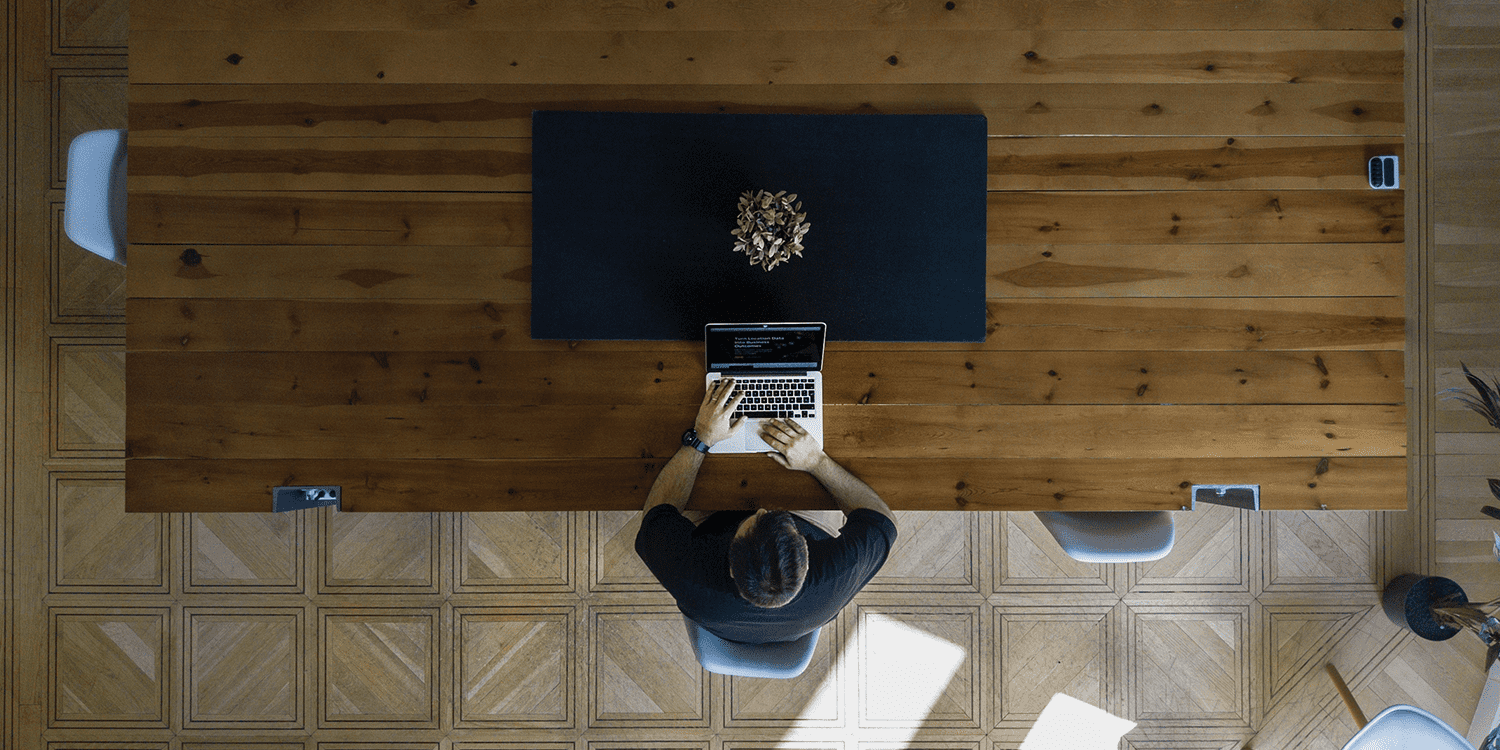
(329, 268)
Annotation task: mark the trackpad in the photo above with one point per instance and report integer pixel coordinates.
(745, 440)
(753, 443)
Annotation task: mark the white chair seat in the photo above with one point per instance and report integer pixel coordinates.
(776, 661)
(1402, 727)
(1112, 537)
(94, 199)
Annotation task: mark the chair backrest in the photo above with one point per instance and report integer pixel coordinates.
(1403, 727)
(1112, 537)
(776, 661)
(94, 199)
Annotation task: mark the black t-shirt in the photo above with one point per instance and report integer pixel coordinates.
(693, 565)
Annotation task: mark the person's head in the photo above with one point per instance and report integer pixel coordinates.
(768, 558)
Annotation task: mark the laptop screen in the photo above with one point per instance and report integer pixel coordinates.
(764, 346)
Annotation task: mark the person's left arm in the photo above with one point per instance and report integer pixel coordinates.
(674, 485)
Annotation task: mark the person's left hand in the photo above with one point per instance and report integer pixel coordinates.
(714, 416)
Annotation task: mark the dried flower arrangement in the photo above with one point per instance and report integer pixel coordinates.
(1486, 405)
(1479, 618)
(771, 228)
(1455, 611)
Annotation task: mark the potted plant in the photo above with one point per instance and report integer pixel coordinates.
(1437, 608)
(1429, 606)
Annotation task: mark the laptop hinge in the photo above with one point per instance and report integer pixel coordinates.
(797, 373)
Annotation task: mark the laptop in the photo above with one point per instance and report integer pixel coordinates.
(778, 366)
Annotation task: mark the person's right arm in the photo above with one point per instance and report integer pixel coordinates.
(800, 451)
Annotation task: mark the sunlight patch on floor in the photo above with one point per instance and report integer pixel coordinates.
(1070, 724)
(921, 663)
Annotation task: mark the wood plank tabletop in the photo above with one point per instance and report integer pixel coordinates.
(1189, 280)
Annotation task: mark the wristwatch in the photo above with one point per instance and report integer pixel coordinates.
(690, 438)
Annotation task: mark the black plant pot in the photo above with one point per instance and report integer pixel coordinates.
(1409, 598)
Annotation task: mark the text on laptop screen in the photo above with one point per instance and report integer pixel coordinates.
(758, 348)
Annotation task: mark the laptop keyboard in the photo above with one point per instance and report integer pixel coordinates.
(767, 398)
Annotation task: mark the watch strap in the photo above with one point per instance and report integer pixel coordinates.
(690, 438)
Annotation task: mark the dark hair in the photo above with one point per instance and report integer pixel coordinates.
(769, 562)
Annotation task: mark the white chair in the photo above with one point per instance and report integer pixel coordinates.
(94, 202)
(1112, 536)
(1400, 727)
(1403, 727)
(776, 661)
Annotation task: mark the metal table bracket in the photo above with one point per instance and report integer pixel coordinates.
(300, 498)
(1243, 496)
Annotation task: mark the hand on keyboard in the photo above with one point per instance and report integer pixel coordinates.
(796, 448)
(717, 417)
(778, 398)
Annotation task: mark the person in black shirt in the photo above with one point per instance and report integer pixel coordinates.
(764, 576)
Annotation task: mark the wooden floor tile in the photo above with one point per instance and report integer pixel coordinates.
(1299, 640)
(515, 666)
(379, 668)
(934, 551)
(642, 743)
(244, 668)
(96, 545)
(246, 745)
(1179, 744)
(516, 551)
(85, 287)
(1189, 666)
(1324, 550)
(813, 699)
(110, 666)
(1212, 552)
(922, 745)
(1043, 651)
(919, 666)
(787, 745)
(388, 552)
(613, 563)
(92, 26)
(90, 391)
(91, 98)
(253, 552)
(643, 671)
(1028, 559)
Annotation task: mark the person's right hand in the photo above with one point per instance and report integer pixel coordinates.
(796, 448)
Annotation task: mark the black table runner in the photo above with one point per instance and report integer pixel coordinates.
(632, 214)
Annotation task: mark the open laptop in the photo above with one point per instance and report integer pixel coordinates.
(778, 366)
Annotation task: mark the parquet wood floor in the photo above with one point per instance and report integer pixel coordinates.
(543, 630)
